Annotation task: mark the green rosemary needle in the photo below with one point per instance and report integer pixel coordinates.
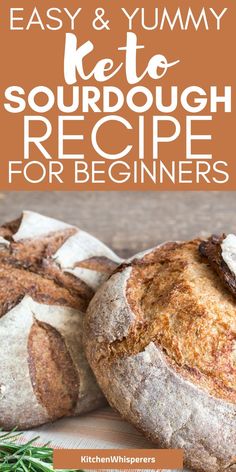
(24, 458)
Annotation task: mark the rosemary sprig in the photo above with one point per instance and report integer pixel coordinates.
(24, 458)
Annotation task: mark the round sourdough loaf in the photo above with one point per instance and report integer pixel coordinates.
(49, 271)
(160, 336)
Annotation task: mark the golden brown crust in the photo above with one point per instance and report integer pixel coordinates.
(15, 283)
(181, 305)
(29, 253)
(36, 255)
(98, 263)
(49, 359)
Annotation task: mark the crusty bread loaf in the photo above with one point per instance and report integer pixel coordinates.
(160, 336)
(49, 271)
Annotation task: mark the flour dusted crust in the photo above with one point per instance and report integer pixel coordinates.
(49, 271)
(160, 336)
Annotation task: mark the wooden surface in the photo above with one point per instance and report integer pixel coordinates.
(131, 221)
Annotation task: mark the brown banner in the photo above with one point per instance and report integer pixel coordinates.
(118, 459)
(112, 97)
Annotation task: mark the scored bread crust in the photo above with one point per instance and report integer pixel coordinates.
(213, 251)
(49, 271)
(160, 336)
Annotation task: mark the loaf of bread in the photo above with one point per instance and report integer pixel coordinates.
(49, 271)
(160, 336)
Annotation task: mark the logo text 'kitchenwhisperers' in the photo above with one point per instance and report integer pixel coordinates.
(138, 110)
